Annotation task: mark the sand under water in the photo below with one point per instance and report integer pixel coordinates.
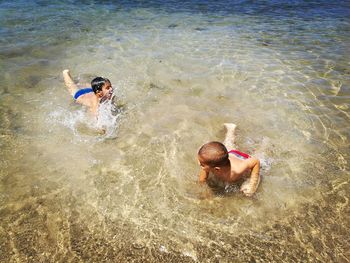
(279, 71)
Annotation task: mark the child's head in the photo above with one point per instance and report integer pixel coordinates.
(102, 87)
(213, 154)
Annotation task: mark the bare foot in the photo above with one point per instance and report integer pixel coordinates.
(230, 126)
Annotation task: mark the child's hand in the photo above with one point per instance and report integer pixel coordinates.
(204, 192)
(247, 189)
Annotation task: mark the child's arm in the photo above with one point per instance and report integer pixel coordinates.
(203, 175)
(71, 86)
(205, 192)
(252, 164)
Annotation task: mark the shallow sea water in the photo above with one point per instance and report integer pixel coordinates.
(279, 71)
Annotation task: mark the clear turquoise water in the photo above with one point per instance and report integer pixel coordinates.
(280, 71)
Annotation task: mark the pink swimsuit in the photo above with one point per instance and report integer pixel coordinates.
(240, 154)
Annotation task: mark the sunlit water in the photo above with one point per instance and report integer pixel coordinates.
(279, 71)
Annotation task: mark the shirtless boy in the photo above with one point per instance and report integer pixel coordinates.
(229, 166)
(100, 91)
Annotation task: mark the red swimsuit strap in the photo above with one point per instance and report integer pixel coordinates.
(244, 155)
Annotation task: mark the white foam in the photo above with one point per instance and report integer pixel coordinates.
(108, 118)
(81, 123)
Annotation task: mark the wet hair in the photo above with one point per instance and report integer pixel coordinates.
(97, 83)
(214, 154)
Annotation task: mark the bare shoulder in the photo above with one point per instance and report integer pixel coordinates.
(238, 165)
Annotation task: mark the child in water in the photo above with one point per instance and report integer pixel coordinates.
(100, 91)
(229, 166)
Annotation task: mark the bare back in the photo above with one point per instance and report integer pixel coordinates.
(239, 168)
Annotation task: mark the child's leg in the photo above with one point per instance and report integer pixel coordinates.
(229, 141)
(71, 86)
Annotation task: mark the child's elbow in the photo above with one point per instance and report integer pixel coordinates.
(257, 162)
